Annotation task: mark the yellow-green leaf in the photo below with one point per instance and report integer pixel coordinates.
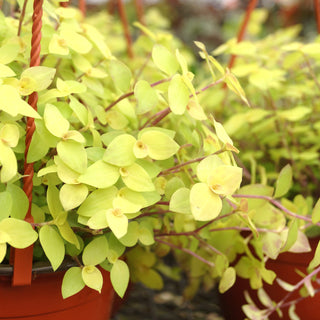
(73, 154)
(119, 276)
(95, 251)
(146, 96)
(21, 234)
(100, 175)
(120, 74)
(72, 195)
(72, 282)
(36, 79)
(55, 122)
(180, 201)
(92, 277)
(178, 95)
(160, 146)
(120, 151)
(117, 222)
(75, 41)
(53, 245)
(8, 163)
(227, 280)
(225, 180)
(205, 205)
(164, 59)
(284, 181)
(136, 178)
(98, 200)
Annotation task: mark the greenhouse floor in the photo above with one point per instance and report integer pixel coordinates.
(168, 304)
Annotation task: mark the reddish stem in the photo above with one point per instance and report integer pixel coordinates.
(125, 25)
(83, 7)
(251, 6)
(140, 10)
(316, 4)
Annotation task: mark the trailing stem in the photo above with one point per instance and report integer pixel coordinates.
(125, 24)
(243, 28)
(316, 4)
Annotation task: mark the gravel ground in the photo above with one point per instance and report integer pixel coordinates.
(168, 304)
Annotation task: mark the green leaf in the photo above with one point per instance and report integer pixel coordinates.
(151, 279)
(234, 85)
(3, 251)
(120, 151)
(294, 114)
(38, 148)
(98, 200)
(72, 282)
(129, 201)
(5, 71)
(58, 45)
(225, 180)
(98, 39)
(284, 181)
(146, 236)
(8, 162)
(205, 167)
(53, 245)
(68, 234)
(98, 221)
(95, 251)
(100, 175)
(92, 277)
(75, 41)
(20, 204)
(72, 195)
(315, 262)
(53, 201)
(5, 204)
(136, 178)
(146, 96)
(117, 222)
(316, 212)
(35, 79)
(65, 88)
(54, 121)
(21, 234)
(205, 205)
(120, 74)
(73, 154)
(160, 146)
(292, 235)
(180, 201)
(130, 239)
(12, 103)
(227, 280)
(195, 110)
(164, 59)
(65, 173)
(119, 276)
(9, 135)
(79, 109)
(178, 95)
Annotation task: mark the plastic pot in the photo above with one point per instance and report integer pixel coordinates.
(42, 300)
(285, 267)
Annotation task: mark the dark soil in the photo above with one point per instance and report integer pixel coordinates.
(168, 304)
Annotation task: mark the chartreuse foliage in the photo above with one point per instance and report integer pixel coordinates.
(130, 163)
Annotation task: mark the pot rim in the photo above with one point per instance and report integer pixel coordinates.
(38, 267)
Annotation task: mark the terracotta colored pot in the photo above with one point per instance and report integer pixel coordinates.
(285, 267)
(42, 300)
